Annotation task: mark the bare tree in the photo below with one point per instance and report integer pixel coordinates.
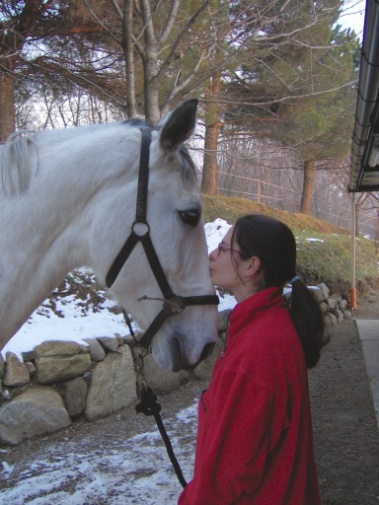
(48, 44)
(288, 65)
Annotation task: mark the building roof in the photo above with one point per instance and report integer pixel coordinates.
(364, 174)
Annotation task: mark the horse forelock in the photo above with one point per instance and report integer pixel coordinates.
(189, 170)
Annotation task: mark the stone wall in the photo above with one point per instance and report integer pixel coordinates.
(59, 382)
(333, 306)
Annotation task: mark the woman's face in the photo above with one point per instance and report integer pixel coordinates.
(223, 264)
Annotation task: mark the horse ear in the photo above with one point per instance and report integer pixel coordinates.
(179, 126)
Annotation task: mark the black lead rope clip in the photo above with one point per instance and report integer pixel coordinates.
(148, 404)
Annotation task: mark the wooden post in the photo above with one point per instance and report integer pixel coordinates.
(353, 290)
(259, 191)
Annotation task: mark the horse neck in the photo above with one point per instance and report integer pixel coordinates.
(44, 234)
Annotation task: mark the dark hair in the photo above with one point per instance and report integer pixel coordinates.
(274, 244)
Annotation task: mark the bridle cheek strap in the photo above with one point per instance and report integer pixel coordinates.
(140, 232)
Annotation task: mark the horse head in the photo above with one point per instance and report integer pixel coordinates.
(175, 226)
(68, 199)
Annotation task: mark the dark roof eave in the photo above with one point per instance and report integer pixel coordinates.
(367, 98)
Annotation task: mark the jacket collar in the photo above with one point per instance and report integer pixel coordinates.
(244, 312)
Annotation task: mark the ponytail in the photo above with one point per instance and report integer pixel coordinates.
(308, 321)
(275, 245)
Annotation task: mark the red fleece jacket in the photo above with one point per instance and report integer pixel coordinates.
(254, 443)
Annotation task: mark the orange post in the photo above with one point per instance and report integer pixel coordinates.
(353, 298)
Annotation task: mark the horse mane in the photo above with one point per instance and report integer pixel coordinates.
(14, 161)
(20, 152)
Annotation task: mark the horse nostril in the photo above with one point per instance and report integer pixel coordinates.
(207, 351)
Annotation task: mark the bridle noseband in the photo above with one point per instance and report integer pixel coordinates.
(140, 232)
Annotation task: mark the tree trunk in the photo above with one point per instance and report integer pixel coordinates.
(212, 125)
(150, 66)
(306, 197)
(7, 112)
(127, 46)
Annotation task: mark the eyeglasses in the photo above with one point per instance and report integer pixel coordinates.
(223, 248)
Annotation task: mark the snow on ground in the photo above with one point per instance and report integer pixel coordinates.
(315, 240)
(137, 471)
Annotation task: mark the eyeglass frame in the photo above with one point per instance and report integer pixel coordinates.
(221, 246)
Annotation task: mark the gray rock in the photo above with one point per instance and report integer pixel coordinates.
(74, 393)
(204, 370)
(324, 289)
(112, 385)
(58, 348)
(13, 392)
(337, 298)
(120, 339)
(30, 366)
(162, 381)
(339, 315)
(16, 373)
(347, 314)
(2, 365)
(342, 305)
(332, 304)
(28, 356)
(60, 361)
(330, 319)
(110, 344)
(324, 307)
(33, 413)
(318, 294)
(95, 348)
(223, 318)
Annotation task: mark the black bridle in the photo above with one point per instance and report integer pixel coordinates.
(140, 232)
(172, 303)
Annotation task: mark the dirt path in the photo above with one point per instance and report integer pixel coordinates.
(345, 429)
(346, 433)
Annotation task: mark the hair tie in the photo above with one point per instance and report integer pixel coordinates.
(294, 279)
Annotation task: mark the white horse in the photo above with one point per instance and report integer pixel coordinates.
(68, 199)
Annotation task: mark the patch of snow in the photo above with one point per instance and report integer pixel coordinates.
(136, 471)
(315, 240)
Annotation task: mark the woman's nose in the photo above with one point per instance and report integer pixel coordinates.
(213, 255)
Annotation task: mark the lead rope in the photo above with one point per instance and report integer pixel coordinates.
(149, 404)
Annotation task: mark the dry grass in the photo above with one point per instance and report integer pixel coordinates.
(327, 260)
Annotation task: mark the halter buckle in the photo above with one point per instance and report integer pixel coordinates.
(174, 306)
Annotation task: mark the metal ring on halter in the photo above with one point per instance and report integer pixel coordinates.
(141, 228)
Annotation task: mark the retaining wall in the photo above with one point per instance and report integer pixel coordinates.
(59, 382)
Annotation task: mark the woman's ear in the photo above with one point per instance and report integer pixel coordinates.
(252, 266)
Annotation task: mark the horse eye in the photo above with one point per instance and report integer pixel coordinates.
(191, 217)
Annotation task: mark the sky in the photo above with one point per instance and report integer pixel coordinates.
(353, 16)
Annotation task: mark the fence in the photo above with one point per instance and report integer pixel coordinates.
(272, 195)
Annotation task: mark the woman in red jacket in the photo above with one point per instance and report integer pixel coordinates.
(254, 443)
